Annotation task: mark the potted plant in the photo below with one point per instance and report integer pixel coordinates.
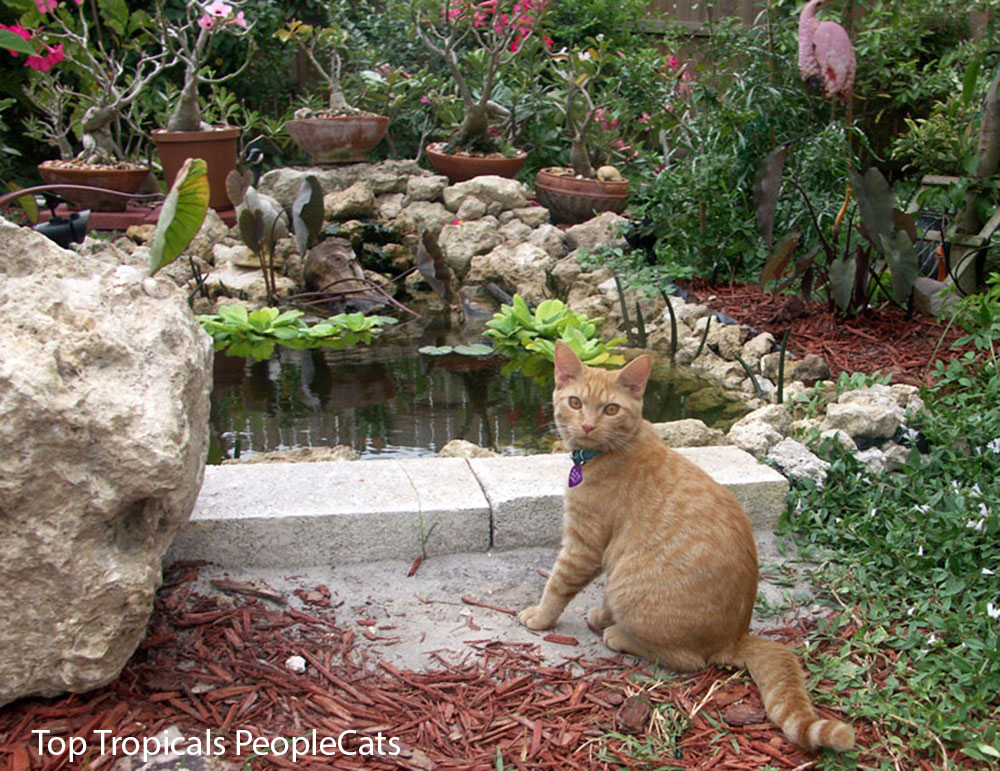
(497, 31)
(189, 42)
(578, 192)
(339, 133)
(84, 85)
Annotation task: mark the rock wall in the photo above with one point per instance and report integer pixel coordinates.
(104, 398)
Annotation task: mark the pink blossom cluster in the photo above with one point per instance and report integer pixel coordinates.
(522, 15)
(43, 63)
(218, 11)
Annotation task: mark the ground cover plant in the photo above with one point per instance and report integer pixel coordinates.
(911, 558)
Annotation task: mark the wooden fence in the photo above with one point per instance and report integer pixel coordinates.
(696, 14)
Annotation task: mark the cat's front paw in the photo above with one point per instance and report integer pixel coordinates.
(534, 618)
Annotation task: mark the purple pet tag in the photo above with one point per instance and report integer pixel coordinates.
(575, 475)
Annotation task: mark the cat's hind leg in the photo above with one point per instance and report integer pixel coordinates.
(601, 616)
(618, 637)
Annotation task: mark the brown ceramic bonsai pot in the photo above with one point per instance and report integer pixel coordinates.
(460, 167)
(571, 199)
(338, 138)
(123, 177)
(218, 147)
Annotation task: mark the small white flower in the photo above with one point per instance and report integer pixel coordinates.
(873, 512)
(983, 510)
(988, 572)
(920, 551)
(992, 610)
(994, 445)
(911, 611)
(922, 508)
(838, 520)
(932, 639)
(954, 486)
(910, 434)
(975, 491)
(975, 524)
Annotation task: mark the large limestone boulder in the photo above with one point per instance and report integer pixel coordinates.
(104, 399)
(385, 177)
(496, 193)
(521, 270)
(461, 242)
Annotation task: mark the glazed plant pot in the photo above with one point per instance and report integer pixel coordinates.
(460, 167)
(125, 178)
(571, 199)
(218, 147)
(338, 138)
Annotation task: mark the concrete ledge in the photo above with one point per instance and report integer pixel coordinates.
(288, 515)
(293, 514)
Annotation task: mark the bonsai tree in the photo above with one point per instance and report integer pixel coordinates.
(496, 31)
(89, 67)
(318, 43)
(189, 42)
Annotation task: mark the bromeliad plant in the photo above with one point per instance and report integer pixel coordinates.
(256, 333)
(476, 41)
(529, 337)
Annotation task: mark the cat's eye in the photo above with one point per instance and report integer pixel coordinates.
(611, 409)
(575, 403)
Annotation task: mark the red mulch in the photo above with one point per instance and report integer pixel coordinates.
(881, 339)
(218, 666)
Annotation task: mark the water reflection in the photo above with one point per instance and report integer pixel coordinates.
(386, 400)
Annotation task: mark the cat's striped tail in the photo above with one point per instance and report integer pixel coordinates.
(776, 670)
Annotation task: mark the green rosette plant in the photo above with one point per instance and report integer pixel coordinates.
(256, 333)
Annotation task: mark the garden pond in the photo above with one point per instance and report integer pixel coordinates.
(387, 400)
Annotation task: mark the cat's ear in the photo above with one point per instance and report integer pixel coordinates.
(568, 364)
(634, 375)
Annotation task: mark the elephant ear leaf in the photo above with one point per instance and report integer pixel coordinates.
(183, 213)
(307, 213)
(767, 186)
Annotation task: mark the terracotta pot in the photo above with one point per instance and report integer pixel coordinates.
(460, 167)
(571, 199)
(109, 178)
(338, 138)
(218, 147)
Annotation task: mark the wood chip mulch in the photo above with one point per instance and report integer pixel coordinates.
(881, 339)
(217, 663)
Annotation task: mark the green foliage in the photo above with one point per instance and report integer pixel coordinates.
(256, 333)
(182, 214)
(519, 331)
(913, 556)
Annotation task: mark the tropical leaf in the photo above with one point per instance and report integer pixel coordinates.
(776, 265)
(237, 184)
(476, 349)
(16, 43)
(875, 201)
(842, 274)
(307, 213)
(182, 215)
(903, 263)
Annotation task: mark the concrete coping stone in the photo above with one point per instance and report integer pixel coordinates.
(285, 515)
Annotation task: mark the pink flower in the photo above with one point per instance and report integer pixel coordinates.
(549, 42)
(219, 9)
(425, 100)
(46, 63)
(645, 117)
(206, 22)
(44, 6)
(673, 62)
(239, 20)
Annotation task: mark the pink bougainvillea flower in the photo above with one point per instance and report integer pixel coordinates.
(645, 117)
(44, 6)
(53, 56)
(549, 42)
(673, 62)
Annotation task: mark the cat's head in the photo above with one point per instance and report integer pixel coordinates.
(597, 409)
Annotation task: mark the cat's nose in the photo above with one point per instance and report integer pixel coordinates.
(587, 428)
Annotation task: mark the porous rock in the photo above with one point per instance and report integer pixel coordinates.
(521, 269)
(497, 193)
(461, 242)
(298, 455)
(602, 230)
(425, 188)
(460, 448)
(689, 432)
(867, 413)
(385, 177)
(354, 202)
(104, 399)
(796, 461)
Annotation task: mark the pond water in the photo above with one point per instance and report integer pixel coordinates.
(387, 401)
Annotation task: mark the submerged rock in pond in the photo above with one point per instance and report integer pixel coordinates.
(105, 378)
(298, 455)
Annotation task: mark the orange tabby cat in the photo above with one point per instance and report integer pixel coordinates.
(677, 549)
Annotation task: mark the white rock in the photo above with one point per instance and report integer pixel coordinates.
(460, 448)
(295, 664)
(602, 230)
(354, 202)
(532, 216)
(104, 428)
(797, 461)
(754, 438)
(490, 189)
(522, 269)
(873, 460)
(425, 188)
(550, 238)
(461, 242)
(755, 349)
(689, 432)
(472, 208)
